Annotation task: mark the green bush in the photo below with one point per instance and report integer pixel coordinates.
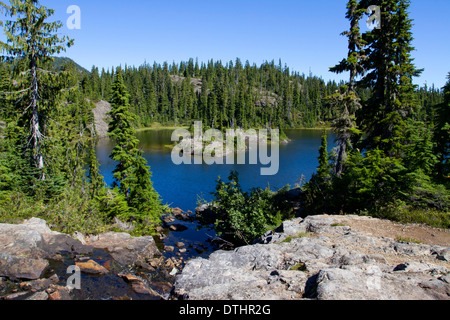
(241, 217)
(403, 213)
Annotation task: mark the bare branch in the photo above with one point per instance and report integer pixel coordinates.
(47, 71)
(69, 89)
(15, 92)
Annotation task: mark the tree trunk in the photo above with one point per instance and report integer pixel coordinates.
(36, 135)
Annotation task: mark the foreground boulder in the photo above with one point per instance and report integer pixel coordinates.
(323, 258)
(34, 263)
(126, 250)
(25, 249)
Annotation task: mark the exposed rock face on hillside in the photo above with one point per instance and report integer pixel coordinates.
(325, 258)
(196, 82)
(266, 98)
(101, 118)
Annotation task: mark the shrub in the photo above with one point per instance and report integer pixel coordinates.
(241, 217)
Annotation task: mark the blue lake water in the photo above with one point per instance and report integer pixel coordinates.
(181, 186)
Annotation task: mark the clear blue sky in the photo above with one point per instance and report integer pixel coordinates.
(304, 34)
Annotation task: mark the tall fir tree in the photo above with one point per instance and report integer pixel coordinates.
(94, 176)
(31, 39)
(122, 132)
(5, 86)
(346, 99)
(131, 175)
(442, 135)
(144, 200)
(392, 168)
(323, 170)
(390, 72)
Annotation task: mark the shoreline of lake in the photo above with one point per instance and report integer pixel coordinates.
(172, 127)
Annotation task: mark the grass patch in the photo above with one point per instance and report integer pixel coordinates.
(158, 126)
(299, 267)
(298, 236)
(338, 225)
(407, 214)
(66, 213)
(407, 240)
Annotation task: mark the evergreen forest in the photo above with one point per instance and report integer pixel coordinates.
(393, 137)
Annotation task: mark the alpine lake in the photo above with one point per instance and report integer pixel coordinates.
(183, 186)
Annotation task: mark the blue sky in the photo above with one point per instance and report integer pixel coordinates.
(305, 35)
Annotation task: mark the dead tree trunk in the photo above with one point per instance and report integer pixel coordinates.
(36, 134)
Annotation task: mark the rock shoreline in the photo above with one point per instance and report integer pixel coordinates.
(34, 263)
(319, 257)
(322, 258)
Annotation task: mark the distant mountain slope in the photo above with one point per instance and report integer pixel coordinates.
(60, 62)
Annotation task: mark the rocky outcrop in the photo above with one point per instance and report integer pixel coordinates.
(34, 261)
(2, 129)
(126, 250)
(196, 82)
(25, 249)
(323, 258)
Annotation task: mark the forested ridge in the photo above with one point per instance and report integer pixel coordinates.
(231, 95)
(392, 150)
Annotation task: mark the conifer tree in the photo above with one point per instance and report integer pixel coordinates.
(323, 170)
(144, 199)
(33, 41)
(122, 132)
(390, 70)
(94, 176)
(131, 175)
(353, 62)
(5, 85)
(398, 159)
(346, 100)
(442, 135)
(203, 103)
